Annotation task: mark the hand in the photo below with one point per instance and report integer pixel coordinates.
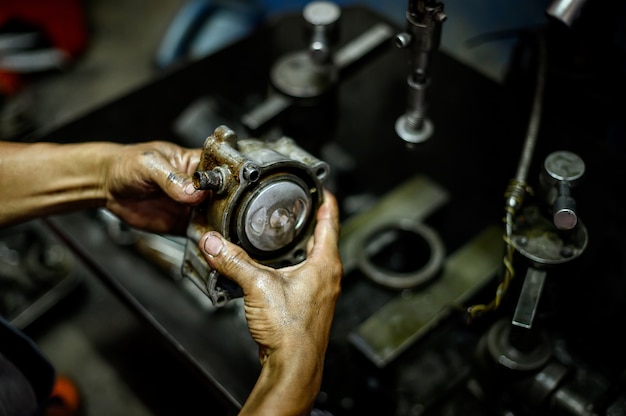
(149, 186)
(289, 313)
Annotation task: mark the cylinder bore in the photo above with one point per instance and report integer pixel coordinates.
(402, 254)
(275, 214)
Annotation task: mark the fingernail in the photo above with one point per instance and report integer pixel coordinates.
(189, 189)
(213, 245)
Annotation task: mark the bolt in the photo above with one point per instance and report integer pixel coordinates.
(251, 173)
(204, 180)
(402, 40)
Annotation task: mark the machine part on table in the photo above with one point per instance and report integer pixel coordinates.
(422, 37)
(538, 240)
(499, 363)
(562, 238)
(528, 300)
(413, 201)
(411, 314)
(517, 352)
(531, 374)
(264, 197)
(497, 346)
(543, 245)
(402, 254)
(322, 20)
(308, 75)
(562, 171)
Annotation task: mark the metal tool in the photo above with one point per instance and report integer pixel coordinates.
(562, 171)
(422, 38)
(307, 76)
(545, 242)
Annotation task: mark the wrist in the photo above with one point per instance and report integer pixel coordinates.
(84, 180)
(289, 382)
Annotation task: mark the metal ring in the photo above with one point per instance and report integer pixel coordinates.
(372, 245)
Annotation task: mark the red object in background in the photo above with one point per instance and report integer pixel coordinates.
(61, 22)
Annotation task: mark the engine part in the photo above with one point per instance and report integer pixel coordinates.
(562, 171)
(263, 197)
(309, 73)
(402, 255)
(305, 79)
(422, 38)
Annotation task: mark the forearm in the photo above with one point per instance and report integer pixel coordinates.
(287, 385)
(47, 178)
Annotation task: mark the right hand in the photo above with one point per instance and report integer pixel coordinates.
(289, 310)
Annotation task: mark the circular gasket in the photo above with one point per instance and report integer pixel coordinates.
(381, 238)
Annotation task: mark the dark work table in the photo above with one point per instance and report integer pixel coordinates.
(480, 128)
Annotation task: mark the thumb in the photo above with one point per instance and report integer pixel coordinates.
(230, 260)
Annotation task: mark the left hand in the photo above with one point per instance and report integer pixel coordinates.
(289, 312)
(149, 186)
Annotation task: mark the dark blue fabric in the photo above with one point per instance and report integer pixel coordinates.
(26, 356)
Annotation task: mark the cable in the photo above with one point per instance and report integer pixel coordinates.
(518, 187)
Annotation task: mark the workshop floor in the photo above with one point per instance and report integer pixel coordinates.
(116, 361)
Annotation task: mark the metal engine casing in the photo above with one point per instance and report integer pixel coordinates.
(263, 196)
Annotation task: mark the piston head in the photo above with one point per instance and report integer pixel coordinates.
(275, 214)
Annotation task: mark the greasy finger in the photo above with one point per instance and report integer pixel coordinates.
(230, 260)
(168, 167)
(326, 234)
